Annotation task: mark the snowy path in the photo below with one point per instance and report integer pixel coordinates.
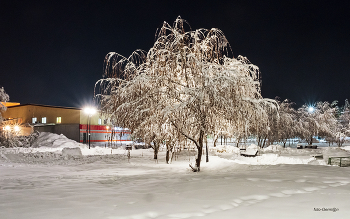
(100, 187)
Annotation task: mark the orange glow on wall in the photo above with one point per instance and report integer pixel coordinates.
(7, 104)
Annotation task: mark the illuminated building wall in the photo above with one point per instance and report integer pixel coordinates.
(69, 121)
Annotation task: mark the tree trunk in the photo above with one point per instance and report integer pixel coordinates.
(173, 154)
(310, 141)
(156, 148)
(215, 140)
(238, 140)
(206, 151)
(200, 149)
(259, 142)
(167, 156)
(264, 142)
(169, 153)
(198, 159)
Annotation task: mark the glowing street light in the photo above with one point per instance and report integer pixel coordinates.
(16, 128)
(311, 109)
(7, 129)
(89, 111)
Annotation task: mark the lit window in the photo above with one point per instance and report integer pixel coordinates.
(59, 120)
(99, 121)
(34, 120)
(43, 120)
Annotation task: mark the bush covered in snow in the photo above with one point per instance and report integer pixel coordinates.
(18, 141)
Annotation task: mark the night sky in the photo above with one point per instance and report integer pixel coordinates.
(52, 53)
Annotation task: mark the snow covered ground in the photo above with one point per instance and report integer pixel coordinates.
(50, 180)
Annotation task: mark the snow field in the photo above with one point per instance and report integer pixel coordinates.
(44, 183)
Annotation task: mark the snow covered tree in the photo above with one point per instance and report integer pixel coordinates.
(186, 82)
(287, 123)
(342, 129)
(267, 133)
(320, 121)
(4, 97)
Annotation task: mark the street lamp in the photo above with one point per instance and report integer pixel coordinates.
(89, 111)
(16, 129)
(311, 109)
(7, 128)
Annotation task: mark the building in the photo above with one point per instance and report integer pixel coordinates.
(72, 122)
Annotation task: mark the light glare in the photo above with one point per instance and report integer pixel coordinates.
(89, 110)
(311, 109)
(16, 128)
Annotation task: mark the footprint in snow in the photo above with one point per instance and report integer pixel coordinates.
(253, 179)
(279, 195)
(255, 197)
(273, 180)
(186, 215)
(209, 210)
(292, 192)
(225, 207)
(311, 189)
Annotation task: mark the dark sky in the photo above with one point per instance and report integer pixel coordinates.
(52, 53)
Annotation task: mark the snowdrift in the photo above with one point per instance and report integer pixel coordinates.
(225, 149)
(51, 140)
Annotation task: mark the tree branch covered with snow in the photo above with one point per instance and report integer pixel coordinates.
(4, 97)
(186, 85)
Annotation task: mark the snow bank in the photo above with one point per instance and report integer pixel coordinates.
(335, 152)
(273, 148)
(71, 152)
(347, 148)
(51, 140)
(218, 164)
(272, 159)
(253, 146)
(50, 144)
(226, 149)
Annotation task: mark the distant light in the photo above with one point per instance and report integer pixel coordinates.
(17, 128)
(7, 128)
(311, 109)
(107, 127)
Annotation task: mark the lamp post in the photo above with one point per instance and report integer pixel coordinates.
(107, 137)
(89, 111)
